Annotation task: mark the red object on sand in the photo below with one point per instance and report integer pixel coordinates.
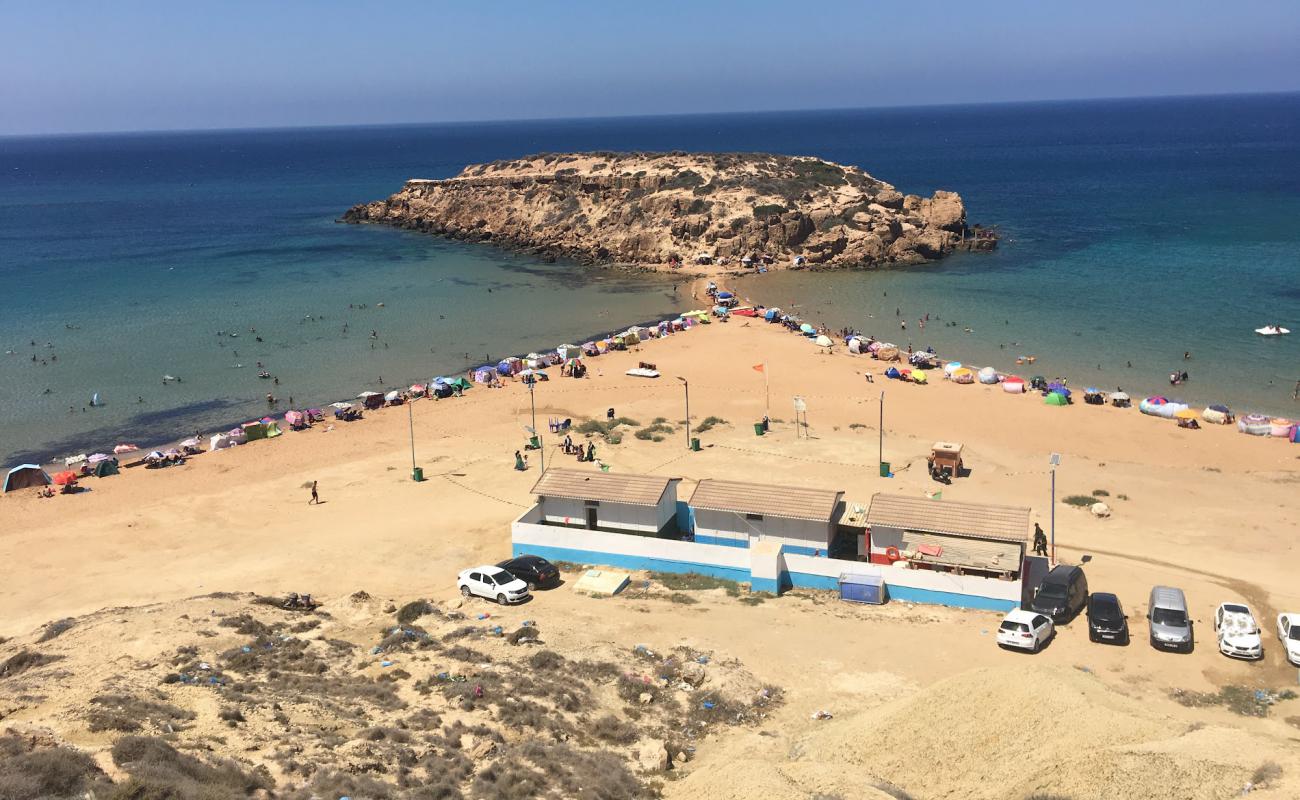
(65, 478)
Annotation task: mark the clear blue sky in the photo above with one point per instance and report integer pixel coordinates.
(124, 65)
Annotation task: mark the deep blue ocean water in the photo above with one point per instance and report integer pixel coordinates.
(1134, 230)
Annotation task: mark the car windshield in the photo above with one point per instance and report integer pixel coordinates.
(1052, 591)
(1008, 625)
(1105, 610)
(1233, 609)
(1168, 616)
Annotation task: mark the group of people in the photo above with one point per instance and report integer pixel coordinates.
(570, 448)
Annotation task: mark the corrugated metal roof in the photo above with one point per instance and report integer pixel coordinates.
(612, 487)
(789, 502)
(1009, 523)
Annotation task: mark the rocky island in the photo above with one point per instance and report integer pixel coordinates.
(657, 209)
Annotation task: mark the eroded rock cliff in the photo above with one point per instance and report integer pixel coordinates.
(654, 208)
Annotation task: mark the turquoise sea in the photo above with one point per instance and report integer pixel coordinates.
(1133, 231)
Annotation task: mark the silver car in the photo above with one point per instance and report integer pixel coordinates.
(1171, 627)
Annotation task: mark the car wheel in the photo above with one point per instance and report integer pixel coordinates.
(464, 591)
(1037, 646)
(501, 600)
(532, 587)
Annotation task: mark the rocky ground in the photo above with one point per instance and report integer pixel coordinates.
(237, 696)
(657, 208)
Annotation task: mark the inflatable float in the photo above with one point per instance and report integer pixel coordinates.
(1272, 330)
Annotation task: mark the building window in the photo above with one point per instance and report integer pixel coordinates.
(756, 517)
(591, 503)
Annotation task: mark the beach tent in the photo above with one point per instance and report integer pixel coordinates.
(963, 375)
(988, 375)
(459, 383)
(919, 377)
(272, 428)
(892, 373)
(771, 314)
(824, 341)
(254, 431)
(855, 345)
(1281, 427)
(1056, 399)
(951, 367)
(1013, 384)
(220, 441)
(568, 351)
(1217, 414)
(484, 375)
(1151, 405)
(392, 397)
(1058, 387)
(65, 478)
(104, 468)
(25, 476)
(1255, 425)
(371, 400)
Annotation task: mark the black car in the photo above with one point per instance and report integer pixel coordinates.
(1106, 620)
(1062, 594)
(535, 571)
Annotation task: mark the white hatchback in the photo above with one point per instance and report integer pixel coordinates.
(1025, 630)
(1288, 633)
(493, 583)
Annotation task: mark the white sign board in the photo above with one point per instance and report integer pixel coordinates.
(799, 405)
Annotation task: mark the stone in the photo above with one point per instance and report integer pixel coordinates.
(652, 756)
(645, 698)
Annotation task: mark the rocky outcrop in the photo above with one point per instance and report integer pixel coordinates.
(655, 208)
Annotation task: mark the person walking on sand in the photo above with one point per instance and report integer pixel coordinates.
(315, 496)
(519, 461)
(1040, 540)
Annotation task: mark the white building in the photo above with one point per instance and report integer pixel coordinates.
(605, 501)
(740, 514)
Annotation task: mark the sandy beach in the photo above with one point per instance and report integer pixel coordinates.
(1212, 511)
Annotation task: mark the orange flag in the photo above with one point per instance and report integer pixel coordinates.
(759, 367)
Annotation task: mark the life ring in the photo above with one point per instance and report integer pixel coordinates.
(893, 555)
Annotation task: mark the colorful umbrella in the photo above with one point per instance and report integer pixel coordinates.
(66, 478)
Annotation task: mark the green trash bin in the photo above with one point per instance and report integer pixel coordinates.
(695, 444)
(758, 429)
(884, 469)
(417, 474)
(536, 442)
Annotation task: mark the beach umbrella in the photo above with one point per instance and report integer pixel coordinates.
(1157, 400)
(1119, 396)
(951, 367)
(366, 394)
(807, 329)
(1013, 379)
(417, 389)
(1092, 390)
(65, 478)
(1185, 413)
(531, 372)
(125, 448)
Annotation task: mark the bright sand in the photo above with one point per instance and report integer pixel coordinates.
(1212, 511)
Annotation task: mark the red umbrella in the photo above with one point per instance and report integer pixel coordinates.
(66, 478)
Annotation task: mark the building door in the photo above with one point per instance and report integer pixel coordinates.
(591, 519)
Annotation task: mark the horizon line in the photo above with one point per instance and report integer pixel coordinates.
(656, 115)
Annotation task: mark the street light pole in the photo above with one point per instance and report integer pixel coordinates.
(880, 454)
(1055, 461)
(686, 385)
(532, 402)
(410, 418)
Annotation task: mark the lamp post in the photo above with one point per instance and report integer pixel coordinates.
(880, 453)
(1055, 461)
(686, 385)
(532, 402)
(410, 418)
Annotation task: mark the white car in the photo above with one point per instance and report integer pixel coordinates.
(493, 583)
(1237, 631)
(1288, 633)
(1025, 630)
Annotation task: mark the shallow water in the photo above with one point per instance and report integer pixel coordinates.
(1135, 231)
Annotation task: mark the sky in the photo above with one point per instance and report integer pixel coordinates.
(69, 66)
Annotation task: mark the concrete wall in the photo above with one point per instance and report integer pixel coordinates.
(639, 519)
(771, 567)
(734, 530)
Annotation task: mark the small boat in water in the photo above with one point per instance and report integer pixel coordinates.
(1272, 330)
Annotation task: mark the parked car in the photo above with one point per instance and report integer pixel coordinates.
(1062, 594)
(532, 570)
(1288, 633)
(493, 583)
(1025, 630)
(1171, 627)
(1106, 620)
(1237, 631)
